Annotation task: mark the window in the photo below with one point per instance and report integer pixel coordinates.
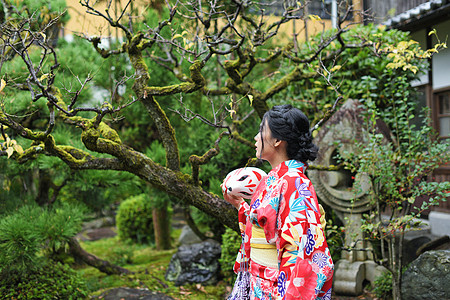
(443, 114)
(420, 98)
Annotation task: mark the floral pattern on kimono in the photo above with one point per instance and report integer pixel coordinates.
(285, 206)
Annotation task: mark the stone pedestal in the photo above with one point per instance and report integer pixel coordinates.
(349, 277)
(354, 238)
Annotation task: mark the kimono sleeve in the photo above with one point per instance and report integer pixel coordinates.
(244, 208)
(242, 217)
(305, 261)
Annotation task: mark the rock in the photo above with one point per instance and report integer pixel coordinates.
(411, 246)
(188, 237)
(128, 294)
(195, 263)
(428, 276)
(99, 223)
(442, 243)
(97, 234)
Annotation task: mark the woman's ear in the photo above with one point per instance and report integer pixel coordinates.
(278, 142)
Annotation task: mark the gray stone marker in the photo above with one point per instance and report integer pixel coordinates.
(347, 194)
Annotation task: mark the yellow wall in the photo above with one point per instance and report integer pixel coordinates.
(82, 22)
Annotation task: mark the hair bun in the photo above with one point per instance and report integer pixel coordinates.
(290, 124)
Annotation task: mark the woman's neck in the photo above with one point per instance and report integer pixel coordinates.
(278, 160)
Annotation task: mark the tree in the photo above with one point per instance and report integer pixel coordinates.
(225, 33)
(229, 56)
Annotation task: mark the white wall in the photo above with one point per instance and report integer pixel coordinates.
(441, 60)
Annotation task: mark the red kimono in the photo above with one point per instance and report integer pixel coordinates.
(288, 256)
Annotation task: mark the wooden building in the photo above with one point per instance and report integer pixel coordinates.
(419, 18)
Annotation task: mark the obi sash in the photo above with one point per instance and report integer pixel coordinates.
(261, 251)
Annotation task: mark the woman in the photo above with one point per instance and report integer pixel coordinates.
(283, 238)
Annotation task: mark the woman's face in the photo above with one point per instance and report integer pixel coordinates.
(265, 135)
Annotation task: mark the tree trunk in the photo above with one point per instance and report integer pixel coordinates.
(395, 268)
(191, 223)
(161, 226)
(93, 261)
(42, 197)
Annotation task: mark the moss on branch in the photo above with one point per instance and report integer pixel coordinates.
(235, 135)
(284, 82)
(216, 92)
(146, 95)
(166, 131)
(326, 168)
(196, 160)
(109, 133)
(195, 82)
(232, 70)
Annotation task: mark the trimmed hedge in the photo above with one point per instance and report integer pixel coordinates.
(134, 220)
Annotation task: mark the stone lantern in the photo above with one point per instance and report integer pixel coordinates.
(348, 194)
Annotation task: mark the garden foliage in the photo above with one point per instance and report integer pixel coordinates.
(53, 280)
(400, 162)
(231, 242)
(128, 148)
(134, 219)
(32, 231)
(29, 237)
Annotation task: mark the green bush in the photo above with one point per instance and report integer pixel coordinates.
(31, 231)
(334, 232)
(134, 219)
(231, 242)
(52, 281)
(45, 10)
(383, 286)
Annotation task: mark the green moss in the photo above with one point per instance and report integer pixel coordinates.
(109, 133)
(64, 152)
(232, 64)
(182, 177)
(53, 281)
(149, 266)
(196, 74)
(90, 134)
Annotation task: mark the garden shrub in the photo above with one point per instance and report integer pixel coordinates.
(32, 232)
(134, 219)
(335, 233)
(383, 286)
(231, 242)
(52, 281)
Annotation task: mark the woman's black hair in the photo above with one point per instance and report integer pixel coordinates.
(290, 124)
